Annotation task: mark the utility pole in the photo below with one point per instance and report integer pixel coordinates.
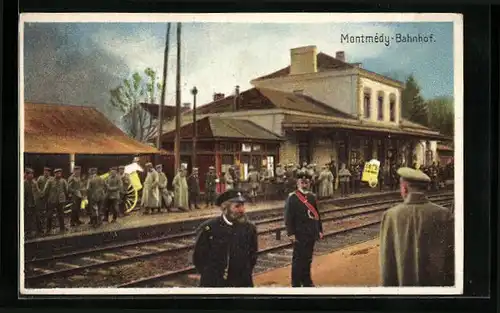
(163, 91)
(177, 147)
(194, 92)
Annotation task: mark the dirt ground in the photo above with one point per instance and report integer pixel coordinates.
(354, 266)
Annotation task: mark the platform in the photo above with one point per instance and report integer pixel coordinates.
(353, 266)
(137, 226)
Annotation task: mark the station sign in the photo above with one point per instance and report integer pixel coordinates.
(370, 172)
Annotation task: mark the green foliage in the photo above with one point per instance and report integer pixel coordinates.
(129, 95)
(442, 115)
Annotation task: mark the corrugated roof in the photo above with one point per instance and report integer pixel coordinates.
(292, 120)
(55, 128)
(224, 128)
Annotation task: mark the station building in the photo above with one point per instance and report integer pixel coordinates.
(320, 108)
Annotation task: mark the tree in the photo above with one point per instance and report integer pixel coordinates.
(127, 98)
(413, 106)
(441, 115)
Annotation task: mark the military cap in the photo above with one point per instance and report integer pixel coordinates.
(251, 167)
(113, 168)
(28, 170)
(93, 169)
(303, 175)
(195, 169)
(121, 167)
(231, 195)
(46, 168)
(57, 170)
(77, 167)
(159, 166)
(211, 167)
(149, 164)
(412, 175)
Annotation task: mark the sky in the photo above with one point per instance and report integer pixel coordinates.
(78, 63)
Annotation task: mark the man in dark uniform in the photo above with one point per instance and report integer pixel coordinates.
(226, 247)
(31, 197)
(40, 184)
(416, 237)
(94, 196)
(113, 185)
(304, 227)
(75, 191)
(56, 193)
(194, 189)
(210, 186)
(123, 193)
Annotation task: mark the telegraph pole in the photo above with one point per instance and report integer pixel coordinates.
(162, 102)
(177, 147)
(194, 92)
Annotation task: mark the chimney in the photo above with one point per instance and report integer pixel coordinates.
(303, 60)
(236, 103)
(218, 96)
(340, 55)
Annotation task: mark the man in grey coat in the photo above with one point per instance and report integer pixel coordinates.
(114, 186)
(416, 237)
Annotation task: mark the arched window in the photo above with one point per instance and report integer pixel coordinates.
(367, 95)
(392, 107)
(380, 102)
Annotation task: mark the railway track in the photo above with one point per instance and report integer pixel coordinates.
(127, 261)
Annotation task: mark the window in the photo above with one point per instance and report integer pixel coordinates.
(245, 147)
(380, 107)
(392, 108)
(367, 104)
(256, 148)
(428, 157)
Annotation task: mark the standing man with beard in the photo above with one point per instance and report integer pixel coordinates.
(226, 247)
(304, 227)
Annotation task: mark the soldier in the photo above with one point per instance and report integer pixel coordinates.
(280, 180)
(393, 177)
(380, 176)
(344, 178)
(150, 193)
(333, 169)
(254, 180)
(125, 178)
(194, 189)
(416, 237)
(225, 251)
(264, 179)
(165, 198)
(210, 186)
(304, 227)
(433, 173)
(114, 185)
(56, 193)
(40, 184)
(75, 187)
(181, 197)
(31, 198)
(94, 196)
(229, 178)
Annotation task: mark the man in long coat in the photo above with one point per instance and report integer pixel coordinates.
(229, 178)
(40, 184)
(31, 213)
(181, 192)
(280, 181)
(114, 185)
(226, 247)
(75, 186)
(303, 227)
(416, 237)
(150, 193)
(125, 177)
(95, 193)
(325, 180)
(211, 186)
(165, 198)
(194, 189)
(56, 193)
(254, 180)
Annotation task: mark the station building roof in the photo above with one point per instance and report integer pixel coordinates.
(68, 129)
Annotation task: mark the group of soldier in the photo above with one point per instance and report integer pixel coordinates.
(48, 195)
(416, 237)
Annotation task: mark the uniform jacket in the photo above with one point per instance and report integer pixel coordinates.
(181, 195)
(228, 178)
(56, 190)
(150, 192)
(297, 219)
(344, 175)
(125, 182)
(325, 180)
(95, 188)
(254, 179)
(30, 193)
(114, 186)
(210, 184)
(75, 186)
(40, 182)
(280, 173)
(416, 244)
(219, 246)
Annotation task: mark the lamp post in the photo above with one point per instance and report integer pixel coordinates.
(194, 92)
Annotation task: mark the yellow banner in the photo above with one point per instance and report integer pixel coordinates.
(370, 172)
